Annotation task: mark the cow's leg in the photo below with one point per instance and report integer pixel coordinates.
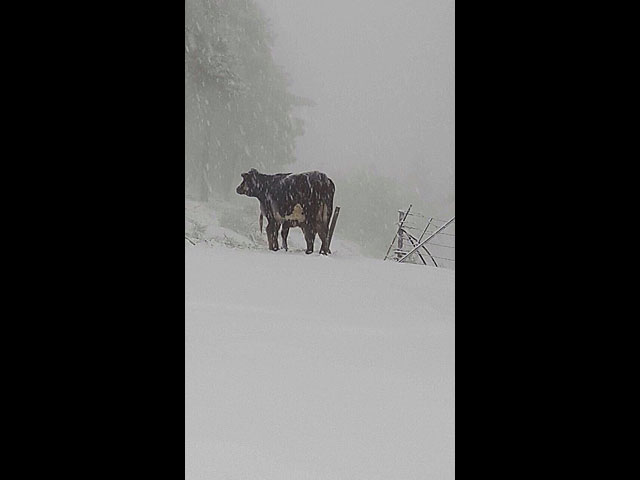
(269, 239)
(323, 233)
(309, 236)
(272, 235)
(285, 233)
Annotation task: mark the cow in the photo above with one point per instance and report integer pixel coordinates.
(288, 200)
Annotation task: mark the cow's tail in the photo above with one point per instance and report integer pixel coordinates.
(261, 222)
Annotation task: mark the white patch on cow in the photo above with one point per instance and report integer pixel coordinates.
(297, 214)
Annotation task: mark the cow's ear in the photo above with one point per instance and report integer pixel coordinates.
(244, 175)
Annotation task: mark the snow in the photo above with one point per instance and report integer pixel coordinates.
(312, 367)
(201, 223)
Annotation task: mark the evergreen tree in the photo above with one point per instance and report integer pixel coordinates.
(238, 110)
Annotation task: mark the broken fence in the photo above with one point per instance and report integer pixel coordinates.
(435, 244)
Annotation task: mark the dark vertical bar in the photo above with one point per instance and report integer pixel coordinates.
(334, 219)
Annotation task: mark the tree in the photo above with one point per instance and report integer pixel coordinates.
(238, 110)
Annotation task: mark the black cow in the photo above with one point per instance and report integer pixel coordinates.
(302, 200)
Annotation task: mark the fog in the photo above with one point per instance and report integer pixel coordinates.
(381, 77)
(319, 363)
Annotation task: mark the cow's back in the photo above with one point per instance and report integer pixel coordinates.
(313, 191)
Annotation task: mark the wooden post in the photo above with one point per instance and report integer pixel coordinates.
(424, 242)
(401, 216)
(332, 227)
(411, 238)
(399, 228)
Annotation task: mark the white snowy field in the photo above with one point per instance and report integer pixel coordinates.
(312, 367)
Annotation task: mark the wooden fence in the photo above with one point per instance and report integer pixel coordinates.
(435, 246)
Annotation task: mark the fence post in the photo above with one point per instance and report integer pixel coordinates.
(332, 227)
(424, 242)
(400, 239)
(399, 229)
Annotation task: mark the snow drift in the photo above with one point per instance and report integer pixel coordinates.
(303, 367)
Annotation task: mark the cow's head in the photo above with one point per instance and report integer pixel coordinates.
(250, 185)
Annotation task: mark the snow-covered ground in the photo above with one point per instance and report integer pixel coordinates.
(224, 223)
(301, 367)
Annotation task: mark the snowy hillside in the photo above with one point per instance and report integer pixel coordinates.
(224, 223)
(301, 367)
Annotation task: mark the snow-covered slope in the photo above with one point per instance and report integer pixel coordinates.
(301, 367)
(225, 223)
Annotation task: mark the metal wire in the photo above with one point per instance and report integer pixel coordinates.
(434, 256)
(439, 245)
(434, 226)
(430, 243)
(424, 216)
(442, 258)
(442, 233)
(428, 231)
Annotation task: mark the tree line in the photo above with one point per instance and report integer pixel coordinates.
(239, 112)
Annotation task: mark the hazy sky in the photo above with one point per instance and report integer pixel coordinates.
(382, 73)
